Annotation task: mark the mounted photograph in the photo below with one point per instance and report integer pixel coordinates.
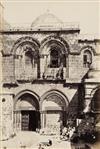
(49, 74)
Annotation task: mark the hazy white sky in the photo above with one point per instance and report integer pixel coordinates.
(87, 12)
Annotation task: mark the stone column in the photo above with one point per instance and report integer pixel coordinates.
(41, 65)
(43, 119)
(66, 75)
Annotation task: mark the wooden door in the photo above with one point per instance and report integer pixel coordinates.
(25, 120)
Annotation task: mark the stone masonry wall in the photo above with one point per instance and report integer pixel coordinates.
(7, 116)
(8, 69)
(76, 68)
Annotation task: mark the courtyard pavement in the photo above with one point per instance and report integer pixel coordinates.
(31, 140)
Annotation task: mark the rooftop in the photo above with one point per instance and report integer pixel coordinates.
(45, 22)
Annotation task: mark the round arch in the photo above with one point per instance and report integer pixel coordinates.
(62, 99)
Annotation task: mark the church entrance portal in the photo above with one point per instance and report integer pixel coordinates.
(29, 120)
(53, 113)
(26, 114)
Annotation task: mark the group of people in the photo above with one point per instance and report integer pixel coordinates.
(67, 133)
(45, 143)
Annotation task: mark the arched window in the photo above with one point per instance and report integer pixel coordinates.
(87, 58)
(28, 59)
(57, 58)
(54, 58)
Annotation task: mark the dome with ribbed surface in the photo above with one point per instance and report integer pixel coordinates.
(46, 20)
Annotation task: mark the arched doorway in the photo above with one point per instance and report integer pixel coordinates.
(53, 109)
(26, 113)
(96, 101)
(96, 108)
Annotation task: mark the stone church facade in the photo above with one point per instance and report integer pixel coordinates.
(50, 76)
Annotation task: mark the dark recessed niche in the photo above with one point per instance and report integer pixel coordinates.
(3, 100)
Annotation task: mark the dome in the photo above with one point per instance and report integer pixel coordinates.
(46, 20)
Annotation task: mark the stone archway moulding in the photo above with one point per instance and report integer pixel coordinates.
(55, 39)
(16, 98)
(94, 91)
(22, 40)
(88, 48)
(54, 92)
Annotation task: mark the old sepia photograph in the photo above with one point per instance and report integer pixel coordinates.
(49, 74)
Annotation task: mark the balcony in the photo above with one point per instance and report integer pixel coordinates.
(54, 74)
(51, 74)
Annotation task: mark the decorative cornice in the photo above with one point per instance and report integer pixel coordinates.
(88, 41)
(38, 31)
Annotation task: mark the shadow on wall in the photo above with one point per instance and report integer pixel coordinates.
(72, 110)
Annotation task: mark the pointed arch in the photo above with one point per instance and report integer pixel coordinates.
(55, 40)
(89, 48)
(95, 104)
(27, 40)
(55, 96)
(28, 92)
(26, 58)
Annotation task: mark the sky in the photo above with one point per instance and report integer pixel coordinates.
(86, 13)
